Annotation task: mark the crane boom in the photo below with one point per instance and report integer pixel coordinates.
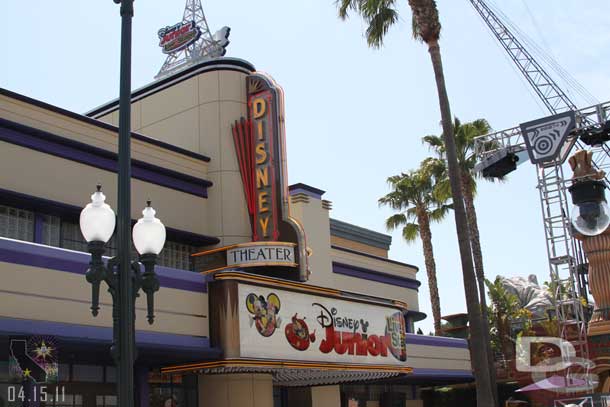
(553, 97)
(566, 261)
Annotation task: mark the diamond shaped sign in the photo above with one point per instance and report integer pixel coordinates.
(545, 137)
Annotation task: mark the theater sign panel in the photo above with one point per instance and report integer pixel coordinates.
(280, 324)
(259, 318)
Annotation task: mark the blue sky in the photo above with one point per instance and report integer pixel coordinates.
(354, 115)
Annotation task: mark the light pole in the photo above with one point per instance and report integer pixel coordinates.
(123, 276)
(97, 221)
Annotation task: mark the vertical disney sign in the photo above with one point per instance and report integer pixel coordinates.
(261, 153)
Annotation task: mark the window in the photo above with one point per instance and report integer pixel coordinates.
(176, 255)
(16, 223)
(72, 238)
(105, 401)
(54, 231)
(51, 227)
(172, 391)
(87, 373)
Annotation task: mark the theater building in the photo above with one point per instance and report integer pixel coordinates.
(265, 299)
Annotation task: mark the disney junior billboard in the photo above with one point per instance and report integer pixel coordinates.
(282, 324)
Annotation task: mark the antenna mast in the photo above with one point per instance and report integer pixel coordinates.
(191, 41)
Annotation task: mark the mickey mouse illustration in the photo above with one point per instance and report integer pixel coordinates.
(264, 312)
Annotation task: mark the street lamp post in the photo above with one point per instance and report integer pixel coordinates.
(123, 276)
(97, 221)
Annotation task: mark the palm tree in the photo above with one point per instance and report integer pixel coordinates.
(464, 139)
(413, 196)
(380, 15)
(465, 135)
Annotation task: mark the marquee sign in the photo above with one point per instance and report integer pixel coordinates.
(179, 36)
(278, 321)
(252, 254)
(260, 146)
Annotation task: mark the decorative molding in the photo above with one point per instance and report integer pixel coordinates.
(359, 234)
(328, 205)
(308, 190)
(416, 316)
(218, 64)
(373, 275)
(97, 334)
(299, 198)
(442, 341)
(47, 257)
(307, 288)
(103, 125)
(441, 374)
(343, 249)
(62, 147)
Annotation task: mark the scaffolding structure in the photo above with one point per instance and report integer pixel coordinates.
(567, 264)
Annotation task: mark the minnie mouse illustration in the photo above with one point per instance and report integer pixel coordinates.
(264, 313)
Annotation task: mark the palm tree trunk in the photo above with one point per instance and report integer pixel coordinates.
(477, 255)
(478, 345)
(426, 239)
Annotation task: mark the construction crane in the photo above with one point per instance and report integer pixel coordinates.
(567, 264)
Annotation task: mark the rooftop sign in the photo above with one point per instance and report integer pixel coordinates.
(178, 37)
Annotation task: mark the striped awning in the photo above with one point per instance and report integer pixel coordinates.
(294, 373)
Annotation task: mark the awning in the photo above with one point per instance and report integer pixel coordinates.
(294, 373)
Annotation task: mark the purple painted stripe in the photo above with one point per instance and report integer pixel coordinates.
(372, 275)
(441, 373)
(102, 125)
(48, 143)
(29, 254)
(343, 249)
(98, 334)
(426, 340)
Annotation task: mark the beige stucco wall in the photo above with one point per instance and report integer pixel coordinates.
(314, 217)
(315, 220)
(236, 390)
(50, 295)
(77, 130)
(46, 176)
(358, 246)
(438, 357)
(196, 114)
(326, 396)
(374, 264)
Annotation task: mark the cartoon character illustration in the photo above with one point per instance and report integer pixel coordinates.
(298, 334)
(264, 312)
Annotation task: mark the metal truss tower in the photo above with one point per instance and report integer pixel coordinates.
(208, 46)
(567, 264)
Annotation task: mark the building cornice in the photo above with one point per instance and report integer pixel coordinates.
(359, 234)
(219, 64)
(100, 124)
(48, 143)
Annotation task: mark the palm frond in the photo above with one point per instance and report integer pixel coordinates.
(410, 232)
(345, 6)
(395, 221)
(378, 25)
(439, 213)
